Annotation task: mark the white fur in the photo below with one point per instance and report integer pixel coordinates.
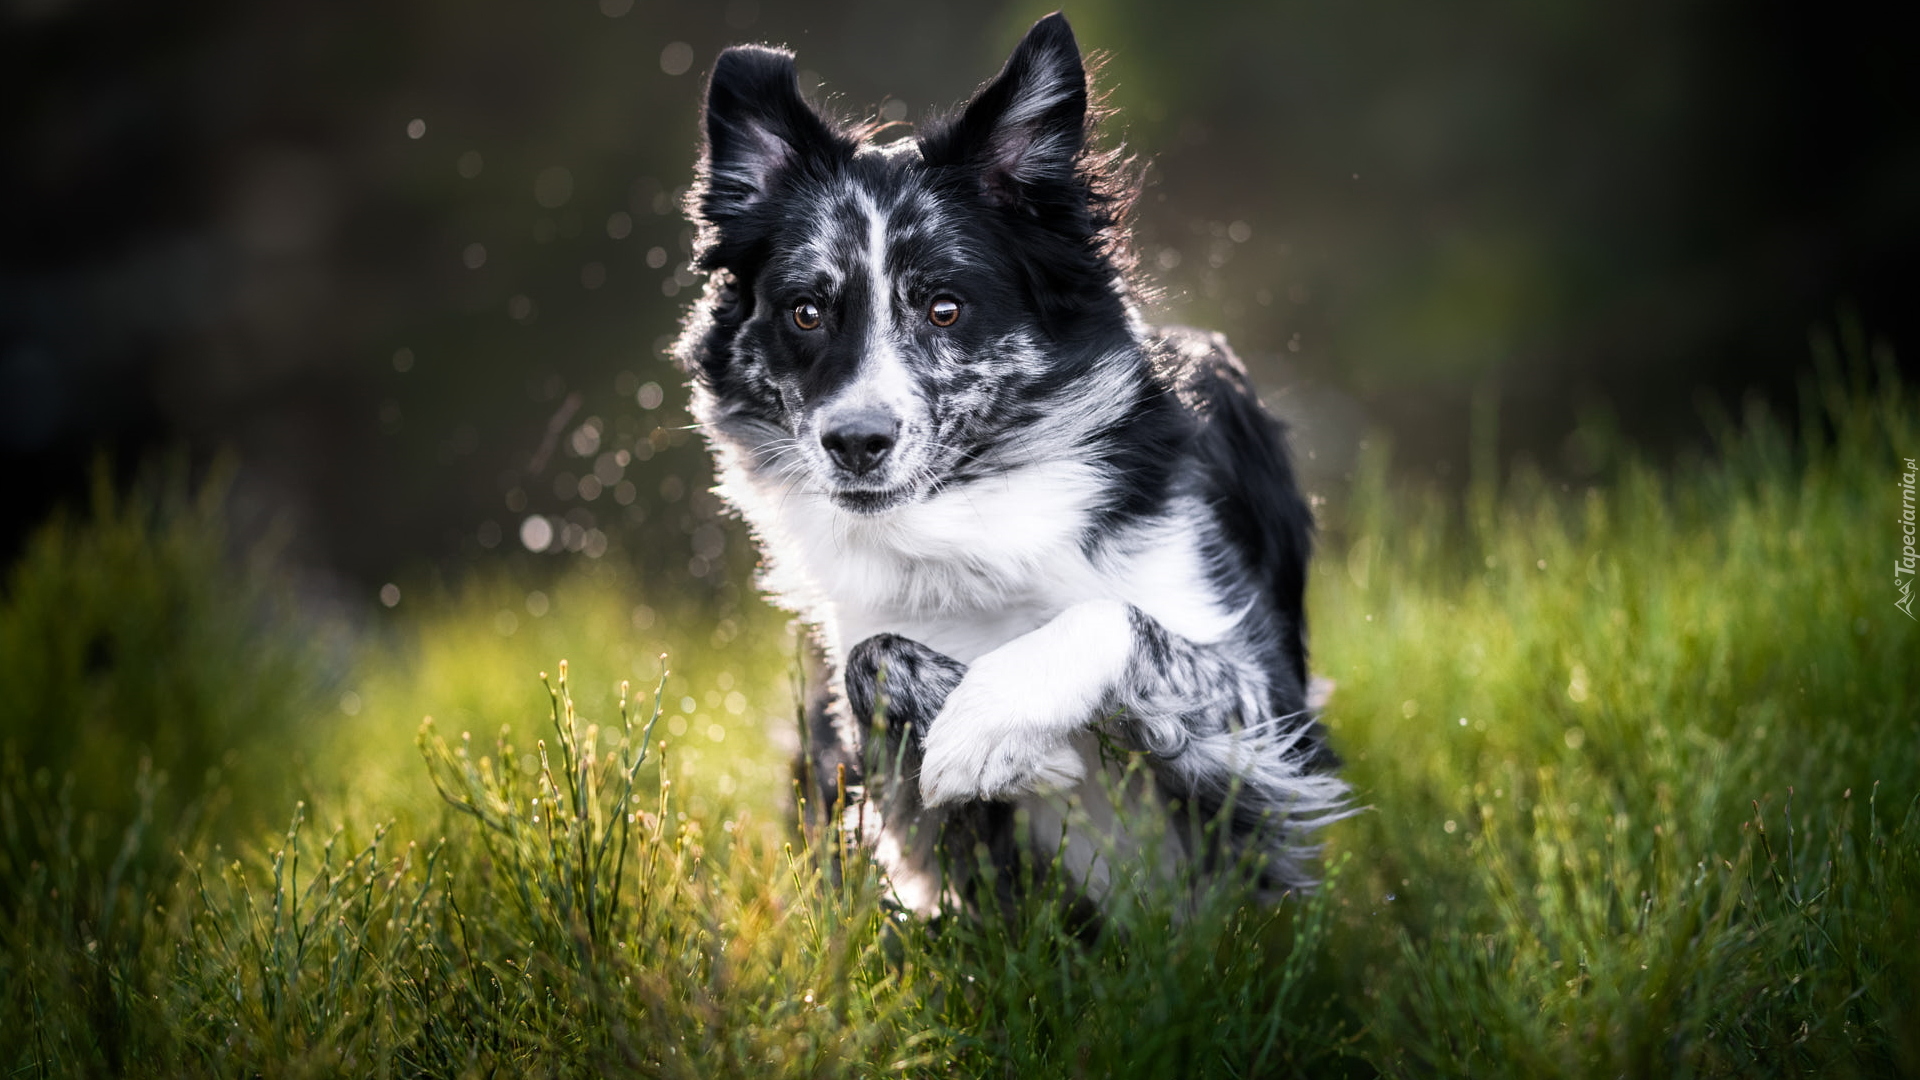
(883, 380)
(971, 568)
(881, 288)
(1004, 730)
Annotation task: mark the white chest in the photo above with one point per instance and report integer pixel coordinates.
(977, 566)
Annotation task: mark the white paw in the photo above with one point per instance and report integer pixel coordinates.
(999, 736)
(1006, 729)
(971, 767)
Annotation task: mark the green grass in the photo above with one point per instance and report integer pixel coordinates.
(1642, 763)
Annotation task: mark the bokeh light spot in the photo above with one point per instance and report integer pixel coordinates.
(1577, 688)
(390, 594)
(585, 438)
(416, 128)
(676, 58)
(553, 187)
(709, 541)
(536, 533)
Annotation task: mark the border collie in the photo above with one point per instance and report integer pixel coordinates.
(1028, 528)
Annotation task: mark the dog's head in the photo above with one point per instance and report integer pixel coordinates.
(881, 318)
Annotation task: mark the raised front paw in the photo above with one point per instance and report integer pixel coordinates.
(900, 679)
(992, 742)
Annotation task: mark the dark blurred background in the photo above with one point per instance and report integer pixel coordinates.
(413, 263)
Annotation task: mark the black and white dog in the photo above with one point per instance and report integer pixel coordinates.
(1027, 527)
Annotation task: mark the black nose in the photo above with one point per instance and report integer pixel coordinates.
(860, 442)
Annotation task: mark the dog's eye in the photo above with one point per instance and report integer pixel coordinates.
(806, 315)
(944, 312)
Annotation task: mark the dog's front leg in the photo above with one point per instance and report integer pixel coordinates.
(905, 682)
(1005, 729)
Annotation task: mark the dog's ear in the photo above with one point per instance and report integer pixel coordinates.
(758, 129)
(1024, 129)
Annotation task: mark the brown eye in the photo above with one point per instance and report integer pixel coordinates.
(806, 316)
(944, 311)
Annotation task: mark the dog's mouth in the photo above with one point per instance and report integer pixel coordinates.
(869, 501)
